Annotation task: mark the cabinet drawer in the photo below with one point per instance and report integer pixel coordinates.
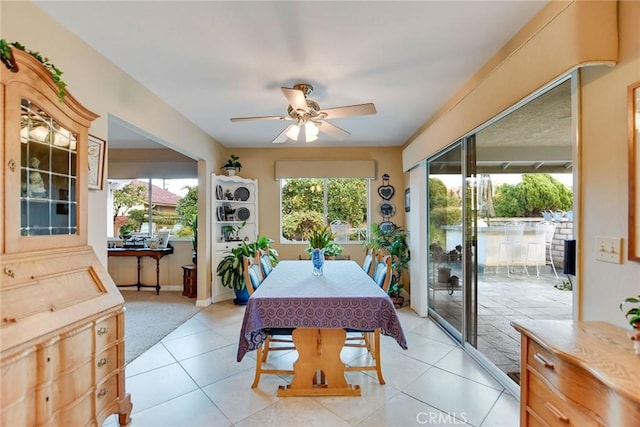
(75, 348)
(106, 392)
(79, 414)
(20, 413)
(18, 377)
(553, 408)
(72, 385)
(106, 332)
(106, 362)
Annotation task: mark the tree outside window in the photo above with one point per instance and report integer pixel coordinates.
(314, 202)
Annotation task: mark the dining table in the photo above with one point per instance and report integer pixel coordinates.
(319, 309)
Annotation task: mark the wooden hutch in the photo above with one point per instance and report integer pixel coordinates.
(62, 317)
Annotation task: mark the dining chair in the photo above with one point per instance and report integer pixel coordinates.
(265, 261)
(367, 264)
(371, 339)
(274, 342)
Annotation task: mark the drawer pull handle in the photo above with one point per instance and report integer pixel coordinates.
(103, 392)
(544, 361)
(103, 330)
(9, 272)
(102, 362)
(556, 412)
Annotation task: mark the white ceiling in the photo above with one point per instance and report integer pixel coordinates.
(213, 60)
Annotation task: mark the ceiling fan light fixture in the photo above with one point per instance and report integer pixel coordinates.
(293, 132)
(311, 131)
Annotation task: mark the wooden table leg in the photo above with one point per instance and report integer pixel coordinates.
(139, 268)
(319, 351)
(157, 276)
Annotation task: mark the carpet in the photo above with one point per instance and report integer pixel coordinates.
(150, 317)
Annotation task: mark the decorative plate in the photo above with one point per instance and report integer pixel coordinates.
(241, 193)
(243, 214)
(219, 193)
(387, 226)
(386, 191)
(387, 209)
(220, 213)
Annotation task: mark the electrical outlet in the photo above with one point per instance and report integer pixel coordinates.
(609, 249)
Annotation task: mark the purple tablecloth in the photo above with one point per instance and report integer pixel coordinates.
(291, 297)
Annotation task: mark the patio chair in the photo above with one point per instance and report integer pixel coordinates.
(252, 280)
(340, 229)
(511, 246)
(544, 237)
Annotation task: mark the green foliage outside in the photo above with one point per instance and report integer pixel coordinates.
(187, 207)
(127, 197)
(303, 204)
(445, 208)
(535, 194)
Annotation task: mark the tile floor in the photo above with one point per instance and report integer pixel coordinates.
(191, 378)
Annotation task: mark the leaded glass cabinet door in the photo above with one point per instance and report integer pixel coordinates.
(46, 166)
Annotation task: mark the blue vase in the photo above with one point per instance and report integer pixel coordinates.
(317, 258)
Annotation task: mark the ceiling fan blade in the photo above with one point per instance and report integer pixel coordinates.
(333, 130)
(349, 110)
(249, 119)
(282, 136)
(296, 99)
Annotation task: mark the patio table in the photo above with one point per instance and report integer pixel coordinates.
(320, 308)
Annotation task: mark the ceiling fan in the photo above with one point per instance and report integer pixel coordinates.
(308, 118)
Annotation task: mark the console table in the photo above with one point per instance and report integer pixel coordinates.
(139, 253)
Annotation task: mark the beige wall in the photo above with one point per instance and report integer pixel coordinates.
(604, 173)
(566, 35)
(103, 88)
(260, 163)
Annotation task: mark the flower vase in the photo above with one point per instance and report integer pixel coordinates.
(317, 258)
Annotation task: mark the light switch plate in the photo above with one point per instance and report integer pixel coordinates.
(609, 249)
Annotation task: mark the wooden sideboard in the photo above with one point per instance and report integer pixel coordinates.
(577, 374)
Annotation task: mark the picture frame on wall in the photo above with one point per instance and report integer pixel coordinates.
(633, 132)
(407, 200)
(96, 154)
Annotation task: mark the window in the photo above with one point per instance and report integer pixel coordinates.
(341, 203)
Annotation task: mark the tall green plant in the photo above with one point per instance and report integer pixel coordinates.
(392, 242)
(231, 268)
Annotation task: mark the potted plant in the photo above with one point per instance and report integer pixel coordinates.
(393, 242)
(321, 245)
(231, 268)
(633, 317)
(232, 165)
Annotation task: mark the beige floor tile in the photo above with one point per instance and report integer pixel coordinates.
(293, 412)
(398, 369)
(450, 393)
(405, 411)
(195, 344)
(192, 409)
(460, 363)
(190, 327)
(355, 409)
(156, 357)
(158, 386)
(505, 413)
(216, 365)
(237, 400)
